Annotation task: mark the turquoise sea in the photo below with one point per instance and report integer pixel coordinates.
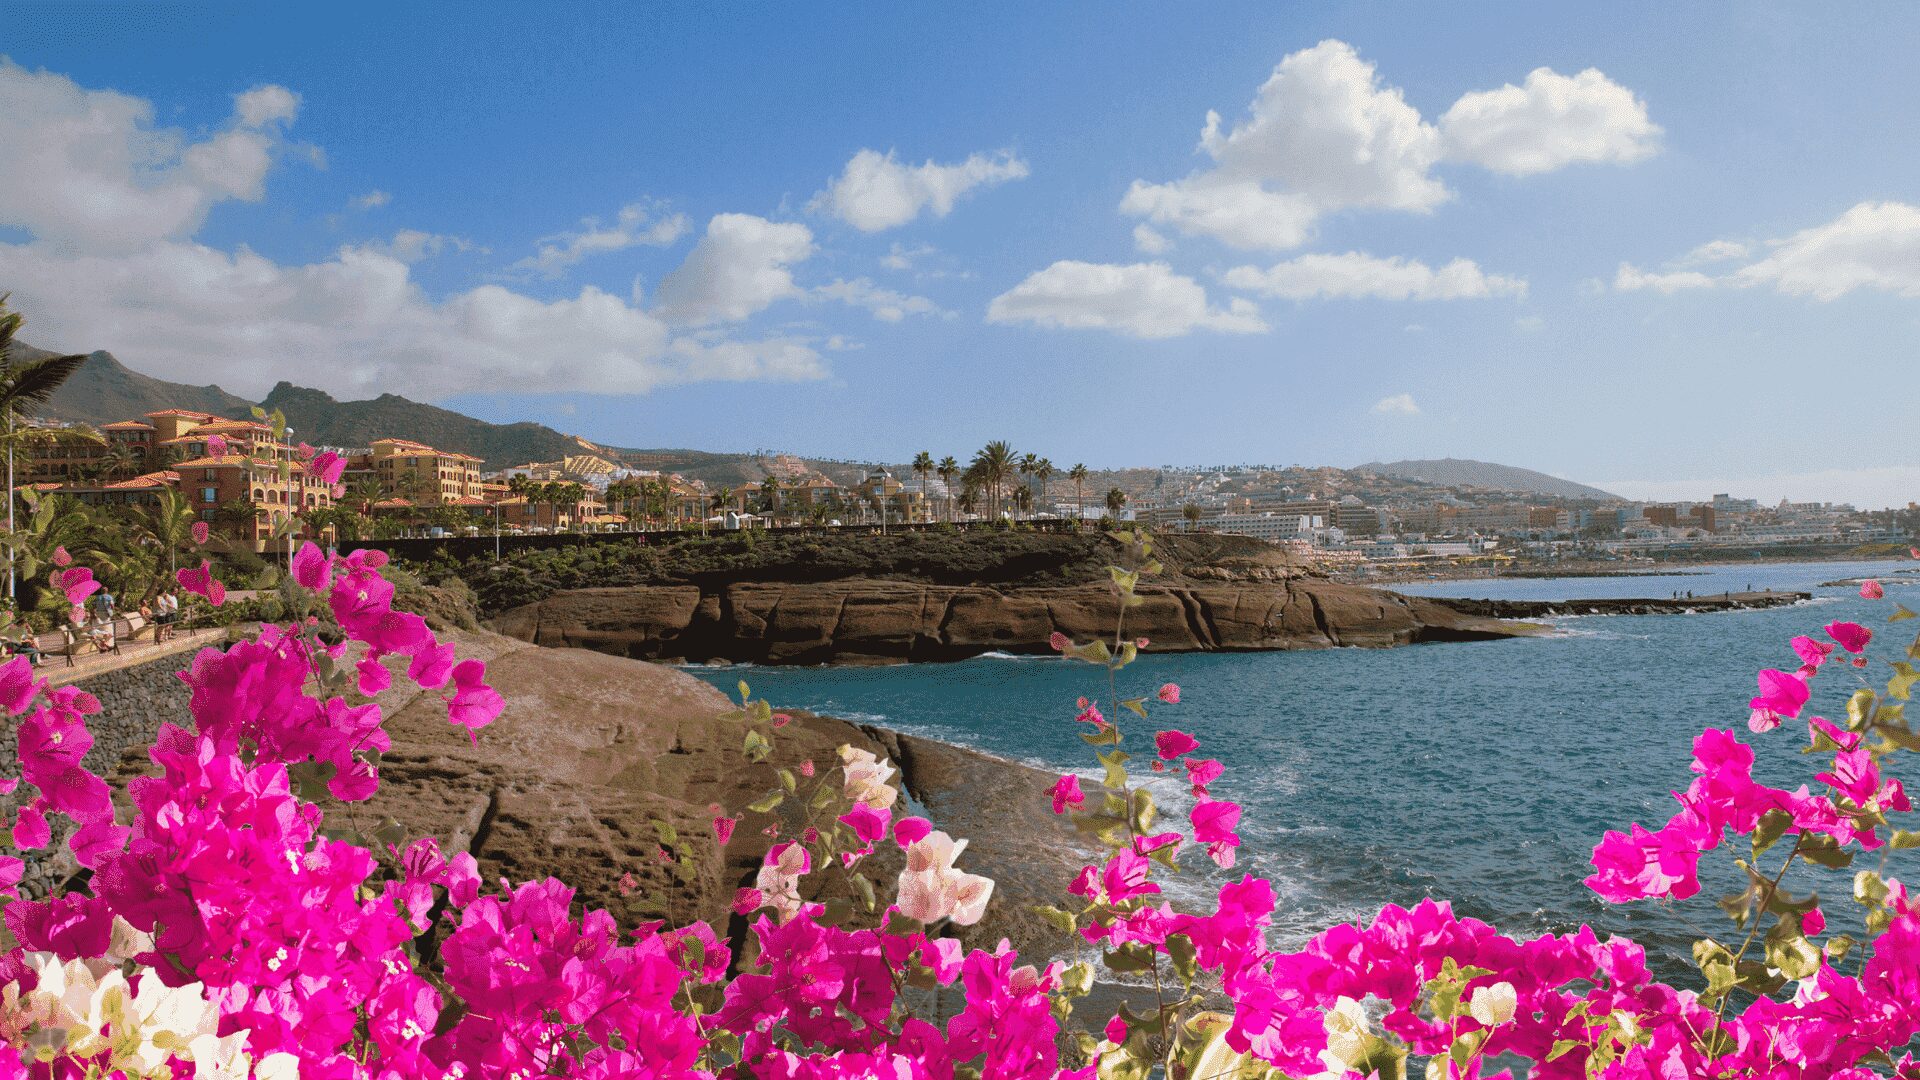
(1482, 773)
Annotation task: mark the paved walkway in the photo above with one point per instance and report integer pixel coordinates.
(132, 652)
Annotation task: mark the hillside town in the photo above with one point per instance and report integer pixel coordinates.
(245, 481)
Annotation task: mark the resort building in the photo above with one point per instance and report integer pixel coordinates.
(421, 474)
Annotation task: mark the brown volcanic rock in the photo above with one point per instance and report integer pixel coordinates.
(880, 621)
(592, 750)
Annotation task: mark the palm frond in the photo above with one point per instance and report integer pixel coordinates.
(31, 384)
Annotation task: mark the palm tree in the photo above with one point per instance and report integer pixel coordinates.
(120, 460)
(1116, 502)
(923, 468)
(24, 384)
(1028, 463)
(770, 498)
(167, 527)
(1043, 470)
(1078, 474)
(996, 464)
(948, 469)
(1192, 513)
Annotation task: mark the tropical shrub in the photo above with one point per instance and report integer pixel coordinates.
(227, 932)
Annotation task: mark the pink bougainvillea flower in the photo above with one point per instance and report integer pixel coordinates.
(1116, 1030)
(723, 829)
(78, 583)
(1781, 693)
(1761, 721)
(867, 823)
(746, 901)
(1090, 714)
(328, 467)
(1059, 642)
(1203, 771)
(474, 704)
(17, 685)
(1852, 636)
(1141, 643)
(1170, 693)
(1213, 822)
(1066, 793)
(806, 767)
(216, 446)
(1871, 589)
(911, 830)
(1172, 744)
(60, 556)
(200, 532)
(1812, 652)
(310, 567)
(304, 452)
(200, 581)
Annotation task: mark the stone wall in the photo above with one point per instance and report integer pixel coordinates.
(134, 702)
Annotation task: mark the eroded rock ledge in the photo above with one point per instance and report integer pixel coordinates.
(867, 621)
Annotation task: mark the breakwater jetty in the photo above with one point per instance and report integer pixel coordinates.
(1657, 605)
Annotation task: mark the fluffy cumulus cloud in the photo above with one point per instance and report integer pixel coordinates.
(1873, 246)
(1325, 134)
(358, 324)
(1145, 300)
(1551, 121)
(887, 305)
(110, 204)
(876, 191)
(1630, 278)
(1356, 275)
(1397, 405)
(88, 170)
(741, 266)
(635, 225)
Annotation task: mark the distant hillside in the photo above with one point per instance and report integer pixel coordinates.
(1460, 472)
(317, 417)
(105, 390)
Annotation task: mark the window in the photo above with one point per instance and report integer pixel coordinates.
(207, 474)
(209, 495)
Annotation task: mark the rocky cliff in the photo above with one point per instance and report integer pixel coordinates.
(863, 621)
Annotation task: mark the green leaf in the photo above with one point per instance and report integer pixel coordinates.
(1116, 765)
(1904, 676)
(788, 781)
(669, 836)
(1136, 705)
(1062, 921)
(766, 803)
(1185, 956)
(744, 693)
(1561, 1048)
(1900, 614)
(1716, 963)
(1791, 953)
(756, 746)
(1860, 709)
(1902, 839)
(1772, 826)
(1870, 889)
(1143, 811)
(865, 888)
(1128, 958)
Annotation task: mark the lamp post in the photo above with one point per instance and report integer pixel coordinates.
(289, 446)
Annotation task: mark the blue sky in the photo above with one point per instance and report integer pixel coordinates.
(1683, 258)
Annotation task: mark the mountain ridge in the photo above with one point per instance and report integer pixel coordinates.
(1467, 472)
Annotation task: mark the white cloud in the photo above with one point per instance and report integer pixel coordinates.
(1357, 275)
(359, 324)
(372, 200)
(110, 204)
(1630, 278)
(1149, 240)
(876, 192)
(1871, 246)
(1397, 405)
(1324, 134)
(885, 304)
(739, 267)
(1713, 251)
(88, 171)
(265, 105)
(1553, 121)
(413, 245)
(900, 257)
(636, 224)
(1146, 300)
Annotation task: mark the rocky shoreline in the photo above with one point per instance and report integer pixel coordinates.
(1689, 605)
(883, 621)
